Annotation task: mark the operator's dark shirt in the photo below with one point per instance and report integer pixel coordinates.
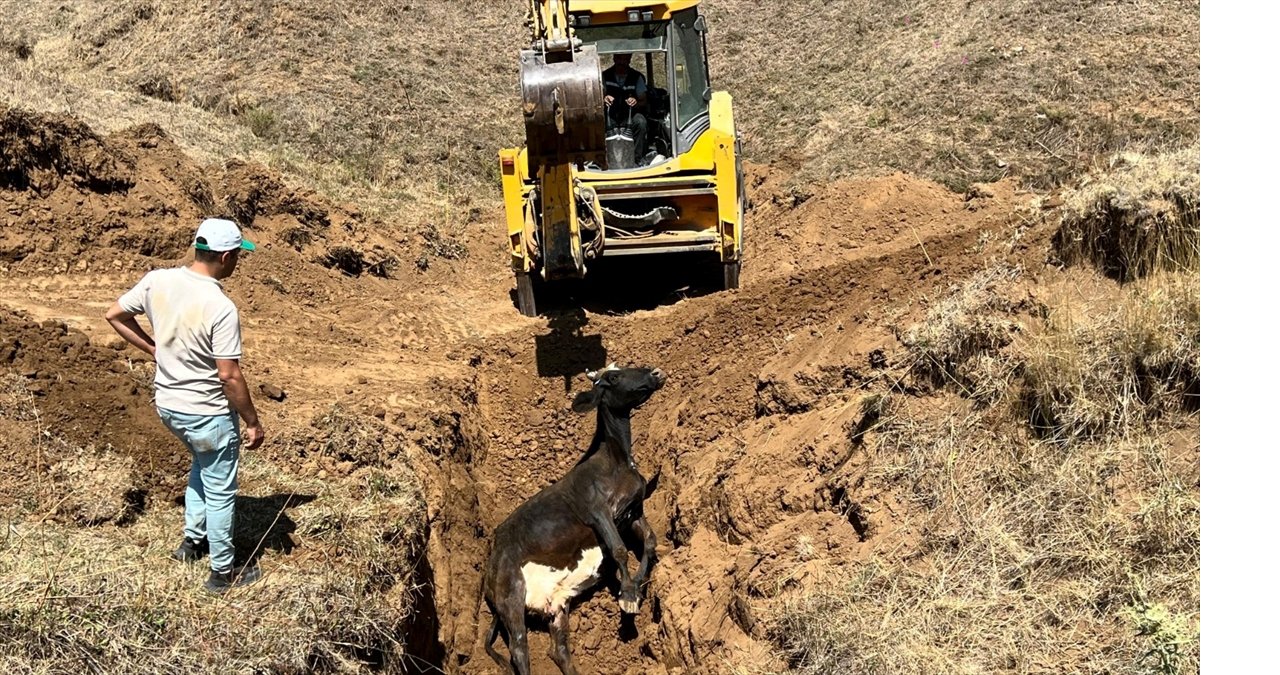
(622, 86)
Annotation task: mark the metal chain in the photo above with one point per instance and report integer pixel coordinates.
(628, 216)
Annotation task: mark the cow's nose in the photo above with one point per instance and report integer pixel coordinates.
(659, 376)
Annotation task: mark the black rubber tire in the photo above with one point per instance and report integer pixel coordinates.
(525, 295)
(732, 270)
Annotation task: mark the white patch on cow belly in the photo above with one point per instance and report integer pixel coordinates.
(548, 590)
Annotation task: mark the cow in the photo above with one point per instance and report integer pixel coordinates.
(550, 549)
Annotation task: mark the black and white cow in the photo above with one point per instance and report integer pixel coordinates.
(550, 549)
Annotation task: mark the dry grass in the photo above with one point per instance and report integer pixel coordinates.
(1139, 216)
(1089, 371)
(957, 91)
(1073, 368)
(339, 581)
(1077, 368)
(97, 486)
(1030, 557)
(960, 333)
(1057, 525)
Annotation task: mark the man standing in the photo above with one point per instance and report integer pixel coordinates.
(624, 97)
(201, 394)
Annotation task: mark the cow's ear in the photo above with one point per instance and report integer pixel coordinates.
(587, 401)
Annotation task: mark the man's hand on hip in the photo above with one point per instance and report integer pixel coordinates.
(127, 327)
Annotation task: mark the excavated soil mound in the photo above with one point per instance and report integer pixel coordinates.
(90, 395)
(802, 227)
(38, 152)
(66, 191)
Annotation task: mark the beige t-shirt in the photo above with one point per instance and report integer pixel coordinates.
(193, 323)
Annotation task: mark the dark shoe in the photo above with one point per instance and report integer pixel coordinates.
(221, 582)
(190, 551)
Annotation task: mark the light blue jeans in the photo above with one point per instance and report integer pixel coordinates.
(214, 442)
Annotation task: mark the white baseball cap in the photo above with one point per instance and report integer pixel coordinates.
(220, 234)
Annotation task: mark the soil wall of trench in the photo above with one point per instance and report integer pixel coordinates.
(761, 412)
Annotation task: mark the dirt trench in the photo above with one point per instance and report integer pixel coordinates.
(760, 409)
(765, 388)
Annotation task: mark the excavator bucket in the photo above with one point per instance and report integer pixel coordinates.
(564, 127)
(563, 105)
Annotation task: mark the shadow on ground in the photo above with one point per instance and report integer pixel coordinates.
(567, 351)
(629, 284)
(263, 524)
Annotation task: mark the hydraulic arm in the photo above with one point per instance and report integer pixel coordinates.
(564, 129)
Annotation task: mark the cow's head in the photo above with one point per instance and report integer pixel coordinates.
(619, 389)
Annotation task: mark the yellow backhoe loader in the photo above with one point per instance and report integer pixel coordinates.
(637, 161)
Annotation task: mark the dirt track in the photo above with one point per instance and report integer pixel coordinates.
(765, 382)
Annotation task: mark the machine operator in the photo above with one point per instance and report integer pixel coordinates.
(624, 99)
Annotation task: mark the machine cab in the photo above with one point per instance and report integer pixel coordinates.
(642, 161)
(666, 77)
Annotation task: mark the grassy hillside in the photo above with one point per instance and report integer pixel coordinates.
(398, 101)
(410, 101)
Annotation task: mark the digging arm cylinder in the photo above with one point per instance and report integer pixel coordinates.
(564, 129)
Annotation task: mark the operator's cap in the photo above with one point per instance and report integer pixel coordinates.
(220, 234)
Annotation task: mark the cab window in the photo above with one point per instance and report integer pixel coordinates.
(691, 81)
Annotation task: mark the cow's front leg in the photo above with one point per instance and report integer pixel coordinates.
(640, 528)
(607, 532)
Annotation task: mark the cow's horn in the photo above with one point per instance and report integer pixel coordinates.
(594, 375)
